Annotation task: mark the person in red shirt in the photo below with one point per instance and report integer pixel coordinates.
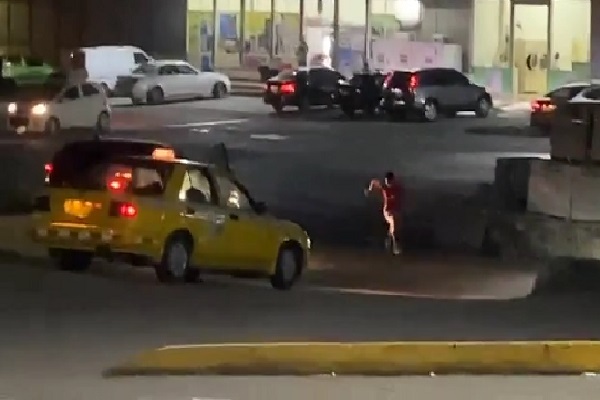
(392, 192)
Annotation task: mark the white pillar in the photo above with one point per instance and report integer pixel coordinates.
(368, 30)
(595, 40)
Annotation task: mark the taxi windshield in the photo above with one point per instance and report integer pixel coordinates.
(140, 177)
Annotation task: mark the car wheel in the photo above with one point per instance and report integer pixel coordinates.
(103, 123)
(155, 96)
(219, 90)
(278, 108)
(430, 111)
(72, 260)
(174, 265)
(348, 111)
(483, 107)
(304, 105)
(287, 270)
(52, 126)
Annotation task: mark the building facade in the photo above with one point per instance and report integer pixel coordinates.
(519, 47)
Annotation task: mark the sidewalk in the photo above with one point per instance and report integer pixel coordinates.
(353, 270)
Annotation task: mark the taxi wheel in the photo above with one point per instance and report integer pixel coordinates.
(219, 90)
(73, 260)
(174, 265)
(288, 268)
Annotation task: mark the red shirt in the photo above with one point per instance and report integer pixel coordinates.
(392, 197)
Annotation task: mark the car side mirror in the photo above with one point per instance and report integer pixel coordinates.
(260, 208)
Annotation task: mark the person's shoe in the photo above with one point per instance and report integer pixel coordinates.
(397, 251)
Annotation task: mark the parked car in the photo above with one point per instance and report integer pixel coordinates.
(53, 106)
(105, 63)
(543, 109)
(25, 69)
(431, 92)
(303, 88)
(362, 92)
(165, 80)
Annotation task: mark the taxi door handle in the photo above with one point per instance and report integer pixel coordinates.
(189, 211)
(234, 217)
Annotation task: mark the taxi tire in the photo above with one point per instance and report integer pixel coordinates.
(73, 260)
(162, 270)
(279, 280)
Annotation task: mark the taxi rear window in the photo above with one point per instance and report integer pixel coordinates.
(140, 177)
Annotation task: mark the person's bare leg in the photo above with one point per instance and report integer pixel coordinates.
(390, 219)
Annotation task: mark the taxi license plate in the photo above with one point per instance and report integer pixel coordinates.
(63, 233)
(274, 89)
(78, 208)
(399, 102)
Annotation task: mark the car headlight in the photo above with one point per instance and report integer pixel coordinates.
(39, 109)
(12, 108)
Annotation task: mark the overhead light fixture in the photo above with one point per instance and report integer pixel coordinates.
(409, 13)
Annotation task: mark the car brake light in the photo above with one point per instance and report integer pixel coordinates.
(413, 83)
(127, 210)
(387, 80)
(117, 184)
(123, 209)
(287, 88)
(542, 105)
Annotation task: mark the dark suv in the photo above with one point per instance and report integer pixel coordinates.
(303, 88)
(433, 91)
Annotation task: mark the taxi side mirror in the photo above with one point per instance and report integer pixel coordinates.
(195, 196)
(260, 207)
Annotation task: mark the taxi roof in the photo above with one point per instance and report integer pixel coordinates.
(181, 161)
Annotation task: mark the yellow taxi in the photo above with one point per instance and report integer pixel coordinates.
(179, 216)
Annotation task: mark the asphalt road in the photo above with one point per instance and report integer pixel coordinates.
(326, 387)
(64, 329)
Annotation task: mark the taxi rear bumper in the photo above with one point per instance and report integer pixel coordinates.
(104, 243)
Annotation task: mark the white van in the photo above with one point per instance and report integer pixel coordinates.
(105, 63)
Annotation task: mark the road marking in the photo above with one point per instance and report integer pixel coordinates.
(209, 123)
(269, 137)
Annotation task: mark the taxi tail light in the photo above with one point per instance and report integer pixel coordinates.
(288, 88)
(41, 203)
(123, 209)
(543, 104)
(116, 184)
(413, 83)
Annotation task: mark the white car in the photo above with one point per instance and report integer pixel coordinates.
(163, 80)
(50, 108)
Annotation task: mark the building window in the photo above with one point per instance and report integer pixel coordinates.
(201, 34)
(18, 27)
(228, 34)
(3, 26)
(257, 38)
(287, 33)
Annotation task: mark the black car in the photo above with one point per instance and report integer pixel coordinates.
(362, 92)
(303, 88)
(73, 154)
(431, 92)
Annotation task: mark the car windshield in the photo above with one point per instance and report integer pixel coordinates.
(41, 91)
(146, 69)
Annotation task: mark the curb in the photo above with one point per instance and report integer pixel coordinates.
(367, 358)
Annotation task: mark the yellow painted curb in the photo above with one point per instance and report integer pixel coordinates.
(368, 358)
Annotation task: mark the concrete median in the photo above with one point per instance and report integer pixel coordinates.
(367, 358)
